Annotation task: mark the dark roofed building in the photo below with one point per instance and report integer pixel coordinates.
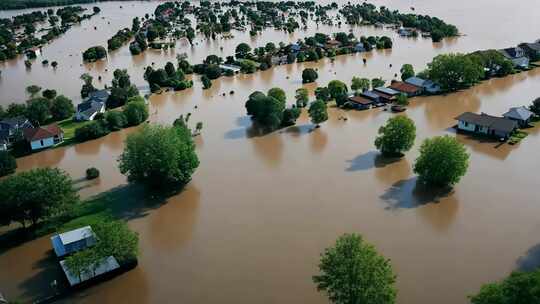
(486, 124)
(9, 128)
(360, 102)
(531, 49)
(520, 114)
(516, 55)
(386, 94)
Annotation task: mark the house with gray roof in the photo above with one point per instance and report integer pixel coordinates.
(91, 106)
(517, 55)
(428, 86)
(532, 50)
(485, 124)
(520, 114)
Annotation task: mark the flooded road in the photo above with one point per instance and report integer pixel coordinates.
(250, 226)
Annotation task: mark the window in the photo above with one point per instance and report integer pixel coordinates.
(41, 142)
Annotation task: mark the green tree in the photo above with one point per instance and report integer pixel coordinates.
(397, 136)
(518, 288)
(337, 88)
(8, 164)
(36, 195)
(136, 111)
(38, 110)
(377, 82)
(122, 89)
(322, 93)
(265, 110)
(407, 71)
(535, 106)
(309, 75)
(402, 99)
(49, 94)
(206, 82)
(115, 239)
(62, 108)
(94, 129)
(270, 47)
(87, 86)
(360, 84)
(290, 116)
(454, 71)
(302, 98)
(242, 50)
(318, 112)
(33, 90)
(116, 120)
(158, 155)
(442, 161)
(278, 94)
(352, 271)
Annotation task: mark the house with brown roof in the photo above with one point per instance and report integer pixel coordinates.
(406, 88)
(333, 44)
(361, 102)
(43, 137)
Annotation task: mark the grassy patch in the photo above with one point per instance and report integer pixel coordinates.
(517, 137)
(69, 126)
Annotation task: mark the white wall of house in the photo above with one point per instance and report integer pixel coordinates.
(44, 143)
(3, 147)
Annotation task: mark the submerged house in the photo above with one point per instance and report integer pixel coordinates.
(386, 94)
(361, 102)
(43, 137)
(230, 67)
(485, 124)
(72, 241)
(520, 114)
(517, 55)
(532, 50)
(427, 86)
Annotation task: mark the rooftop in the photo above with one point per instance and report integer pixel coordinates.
(106, 265)
(388, 91)
(485, 120)
(404, 87)
(360, 100)
(40, 133)
(519, 113)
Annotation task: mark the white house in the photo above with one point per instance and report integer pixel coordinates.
(73, 241)
(43, 137)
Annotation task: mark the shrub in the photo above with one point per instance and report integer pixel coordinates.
(136, 111)
(93, 130)
(92, 173)
(8, 164)
(116, 120)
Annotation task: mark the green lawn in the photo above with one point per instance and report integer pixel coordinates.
(69, 126)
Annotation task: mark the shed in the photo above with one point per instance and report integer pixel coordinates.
(105, 266)
(73, 241)
(360, 102)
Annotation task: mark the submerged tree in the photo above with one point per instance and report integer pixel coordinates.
(352, 271)
(396, 137)
(158, 155)
(442, 161)
(318, 112)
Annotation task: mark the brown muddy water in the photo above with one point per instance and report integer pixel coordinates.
(250, 226)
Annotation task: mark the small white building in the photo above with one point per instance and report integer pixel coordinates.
(231, 67)
(72, 241)
(105, 266)
(43, 137)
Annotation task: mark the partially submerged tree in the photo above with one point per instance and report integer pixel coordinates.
(442, 161)
(318, 112)
(396, 137)
(158, 155)
(352, 271)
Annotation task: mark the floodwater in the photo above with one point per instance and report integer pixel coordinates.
(261, 207)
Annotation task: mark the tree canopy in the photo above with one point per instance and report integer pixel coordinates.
(318, 112)
(397, 136)
(309, 75)
(158, 155)
(442, 161)
(454, 71)
(8, 164)
(35, 195)
(518, 288)
(352, 271)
